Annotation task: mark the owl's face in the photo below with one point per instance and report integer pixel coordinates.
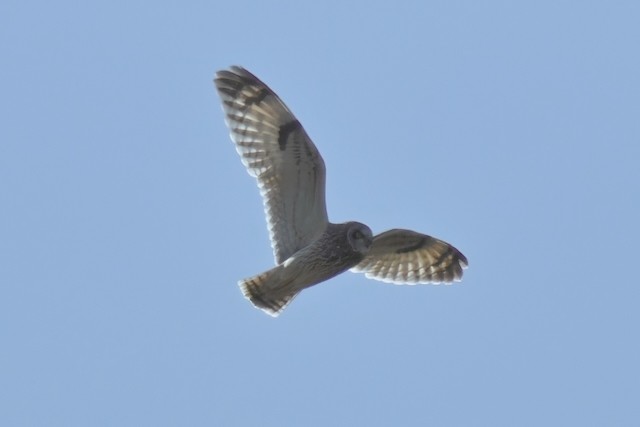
(360, 237)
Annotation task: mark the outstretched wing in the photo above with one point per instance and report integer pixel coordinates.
(406, 257)
(276, 150)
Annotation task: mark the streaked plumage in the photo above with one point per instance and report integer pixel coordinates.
(308, 249)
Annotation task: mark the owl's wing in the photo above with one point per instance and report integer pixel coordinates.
(406, 257)
(275, 149)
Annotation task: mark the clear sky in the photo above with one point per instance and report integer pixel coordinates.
(510, 129)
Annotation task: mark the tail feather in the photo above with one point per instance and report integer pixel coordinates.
(260, 291)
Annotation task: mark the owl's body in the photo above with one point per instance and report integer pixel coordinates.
(308, 249)
(334, 252)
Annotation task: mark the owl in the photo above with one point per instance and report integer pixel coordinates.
(308, 249)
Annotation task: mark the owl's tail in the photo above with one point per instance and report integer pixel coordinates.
(262, 291)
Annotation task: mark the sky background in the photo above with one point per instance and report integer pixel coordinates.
(510, 129)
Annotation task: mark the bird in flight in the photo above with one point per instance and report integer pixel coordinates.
(308, 249)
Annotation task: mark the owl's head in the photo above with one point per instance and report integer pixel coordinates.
(360, 237)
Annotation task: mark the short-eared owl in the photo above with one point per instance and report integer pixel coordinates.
(308, 249)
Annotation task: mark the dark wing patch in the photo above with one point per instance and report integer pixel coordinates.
(285, 131)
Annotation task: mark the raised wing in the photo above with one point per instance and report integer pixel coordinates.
(276, 150)
(405, 257)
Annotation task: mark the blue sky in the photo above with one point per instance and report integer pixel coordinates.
(510, 129)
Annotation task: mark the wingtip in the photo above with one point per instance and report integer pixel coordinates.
(235, 71)
(464, 263)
